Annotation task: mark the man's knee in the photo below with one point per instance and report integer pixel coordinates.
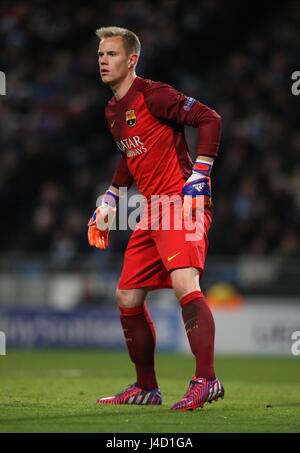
(182, 290)
(129, 298)
(185, 281)
(124, 297)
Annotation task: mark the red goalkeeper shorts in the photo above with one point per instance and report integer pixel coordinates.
(152, 253)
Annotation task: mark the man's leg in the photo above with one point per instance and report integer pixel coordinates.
(198, 320)
(142, 271)
(139, 334)
(140, 339)
(200, 328)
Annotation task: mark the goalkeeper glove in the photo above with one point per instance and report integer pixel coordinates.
(198, 185)
(101, 221)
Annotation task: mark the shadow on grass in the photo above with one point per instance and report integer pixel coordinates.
(287, 405)
(58, 417)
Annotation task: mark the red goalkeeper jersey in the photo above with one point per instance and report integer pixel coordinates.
(148, 127)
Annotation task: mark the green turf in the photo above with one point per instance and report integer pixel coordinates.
(55, 391)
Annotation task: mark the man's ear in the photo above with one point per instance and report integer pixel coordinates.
(133, 58)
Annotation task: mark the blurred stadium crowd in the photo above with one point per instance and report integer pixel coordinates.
(57, 154)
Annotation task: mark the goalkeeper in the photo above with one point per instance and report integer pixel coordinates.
(147, 119)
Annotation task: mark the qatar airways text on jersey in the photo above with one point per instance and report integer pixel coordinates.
(132, 146)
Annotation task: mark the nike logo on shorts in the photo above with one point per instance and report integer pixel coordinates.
(173, 256)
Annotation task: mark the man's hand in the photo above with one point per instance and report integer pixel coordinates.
(101, 221)
(197, 189)
(99, 226)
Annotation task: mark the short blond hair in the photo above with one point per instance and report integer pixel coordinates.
(130, 40)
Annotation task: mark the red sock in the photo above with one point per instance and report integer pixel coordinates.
(140, 339)
(200, 328)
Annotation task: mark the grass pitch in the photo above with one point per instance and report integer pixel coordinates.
(55, 391)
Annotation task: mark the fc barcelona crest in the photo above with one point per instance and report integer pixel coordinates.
(130, 118)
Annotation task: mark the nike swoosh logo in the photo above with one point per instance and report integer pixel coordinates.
(112, 124)
(173, 256)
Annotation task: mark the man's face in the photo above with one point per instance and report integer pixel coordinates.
(113, 60)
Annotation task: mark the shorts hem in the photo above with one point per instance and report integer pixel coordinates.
(152, 287)
(182, 266)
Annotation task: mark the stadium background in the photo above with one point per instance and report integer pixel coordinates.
(64, 345)
(56, 156)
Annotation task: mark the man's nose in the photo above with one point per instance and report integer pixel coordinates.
(103, 60)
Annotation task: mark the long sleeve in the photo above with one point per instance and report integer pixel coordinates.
(122, 176)
(166, 103)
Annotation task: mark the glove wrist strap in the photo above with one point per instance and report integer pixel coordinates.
(202, 167)
(111, 199)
